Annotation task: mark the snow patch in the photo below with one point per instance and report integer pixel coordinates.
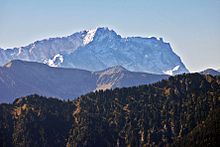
(19, 51)
(176, 68)
(171, 71)
(32, 47)
(89, 36)
(55, 61)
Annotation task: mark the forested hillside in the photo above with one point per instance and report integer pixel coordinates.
(35, 121)
(181, 111)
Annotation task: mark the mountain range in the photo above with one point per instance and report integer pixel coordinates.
(181, 111)
(20, 78)
(99, 49)
(96, 88)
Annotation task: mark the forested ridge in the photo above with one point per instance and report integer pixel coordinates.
(181, 111)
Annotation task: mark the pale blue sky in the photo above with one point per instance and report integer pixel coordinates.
(191, 26)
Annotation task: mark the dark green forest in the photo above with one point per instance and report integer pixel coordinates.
(181, 111)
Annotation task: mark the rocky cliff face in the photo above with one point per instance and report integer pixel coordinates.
(99, 49)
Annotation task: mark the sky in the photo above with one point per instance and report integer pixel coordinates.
(192, 27)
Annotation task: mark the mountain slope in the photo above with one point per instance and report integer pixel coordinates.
(99, 49)
(25, 78)
(118, 76)
(183, 108)
(210, 71)
(36, 122)
(204, 134)
(150, 115)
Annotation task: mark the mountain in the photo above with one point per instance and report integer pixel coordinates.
(210, 71)
(181, 111)
(25, 78)
(99, 49)
(118, 76)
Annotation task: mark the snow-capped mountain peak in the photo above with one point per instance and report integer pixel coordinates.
(98, 49)
(99, 33)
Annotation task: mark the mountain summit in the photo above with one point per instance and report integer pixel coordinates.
(99, 49)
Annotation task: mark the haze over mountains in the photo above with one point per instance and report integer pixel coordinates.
(21, 78)
(99, 49)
